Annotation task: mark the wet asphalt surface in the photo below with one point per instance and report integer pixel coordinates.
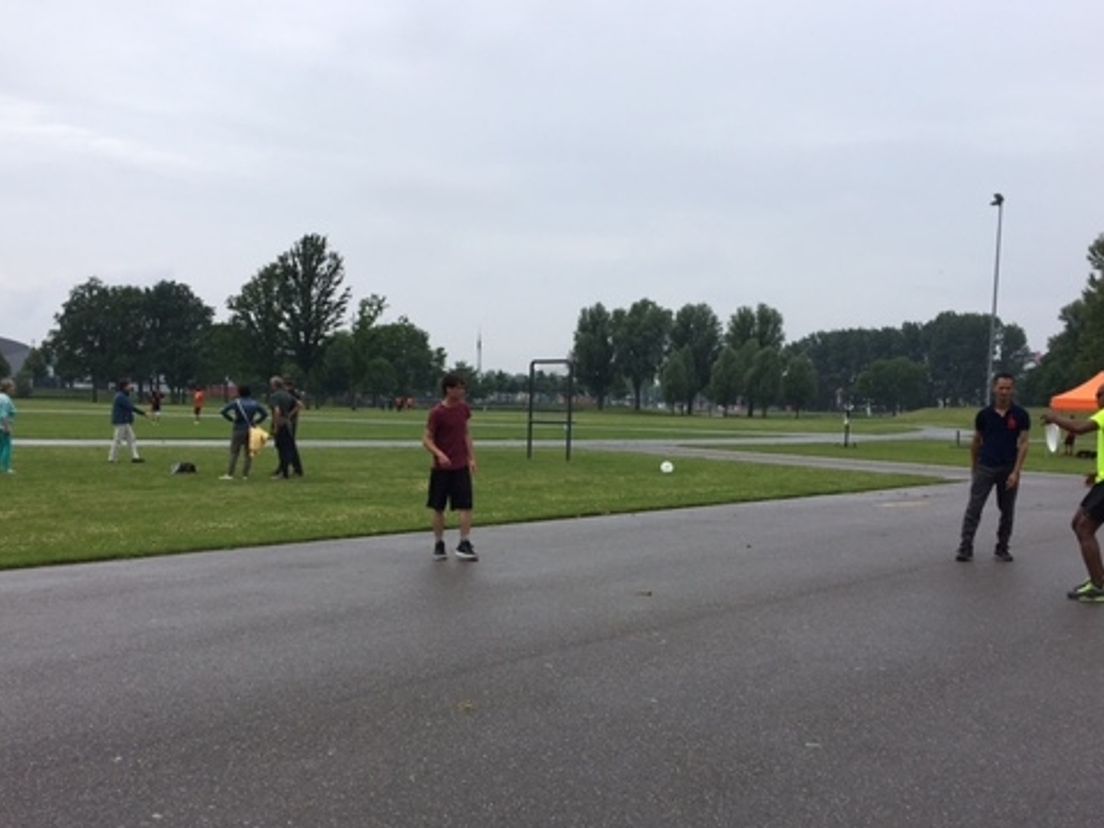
(812, 662)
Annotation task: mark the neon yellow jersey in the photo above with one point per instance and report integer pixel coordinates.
(1098, 418)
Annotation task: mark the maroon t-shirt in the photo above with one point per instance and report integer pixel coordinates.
(448, 428)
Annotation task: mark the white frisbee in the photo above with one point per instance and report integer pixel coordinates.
(1053, 437)
(666, 467)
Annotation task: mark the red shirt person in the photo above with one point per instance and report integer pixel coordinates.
(448, 438)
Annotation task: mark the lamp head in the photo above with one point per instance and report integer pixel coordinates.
(997, 201)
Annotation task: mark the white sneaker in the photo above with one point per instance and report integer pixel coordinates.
(226, 477)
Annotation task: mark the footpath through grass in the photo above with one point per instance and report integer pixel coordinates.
(68, 504)
(67, 419)
(929, 452)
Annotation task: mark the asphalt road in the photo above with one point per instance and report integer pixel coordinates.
(819, 662)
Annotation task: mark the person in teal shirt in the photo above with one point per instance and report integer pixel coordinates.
(7, 414)
(1090, 514)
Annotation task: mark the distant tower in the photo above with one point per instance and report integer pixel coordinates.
(479, 352)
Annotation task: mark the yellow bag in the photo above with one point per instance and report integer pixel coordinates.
(257, 439)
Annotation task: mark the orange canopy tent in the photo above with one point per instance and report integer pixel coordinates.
(1081, 398)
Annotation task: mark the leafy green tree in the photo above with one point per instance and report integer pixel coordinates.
(378, 380)
(335, 376)
(640, 337)
(177, 324)
(675, 378)
(309, 279)
(129, 342)
(37, 365)
(726, 382)
(745, 358)
(1087, 339)
(1012, 351)
(799, 383)
(764, 325)
(697, 328)
(258, 313)
(957, 356)
(896, 384)
(292, 307)
(5, 368)
(224, 357)
(369, 311)
(405, 347)
(82, 338)
(593, 352)
(764, 379)
(24, 385)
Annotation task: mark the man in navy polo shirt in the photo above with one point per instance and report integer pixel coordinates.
(997, 454)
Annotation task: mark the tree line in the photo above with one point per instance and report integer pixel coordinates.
(692, 358)
(292, 317)
(688, 357)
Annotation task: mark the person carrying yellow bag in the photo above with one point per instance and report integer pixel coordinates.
(244, 413)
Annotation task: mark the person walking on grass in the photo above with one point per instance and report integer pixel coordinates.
(448, 438)
(7, 414)
(1090, 514)
(285, 412)
(1002, 431)
(199, 397)
(155, 400)
(244, 413)
(122, 419)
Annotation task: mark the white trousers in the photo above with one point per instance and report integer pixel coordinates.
(123, 433)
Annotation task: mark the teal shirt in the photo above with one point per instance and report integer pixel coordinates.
(7, 408)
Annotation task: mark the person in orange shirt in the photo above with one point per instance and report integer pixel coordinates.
(198, 398)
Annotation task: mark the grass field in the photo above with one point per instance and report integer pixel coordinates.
(935, 452)
(69, 504)
(85, 420)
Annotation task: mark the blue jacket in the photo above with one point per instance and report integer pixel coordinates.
(123, 410)
(252, 409)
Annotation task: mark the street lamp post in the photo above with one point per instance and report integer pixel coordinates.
(998, 202)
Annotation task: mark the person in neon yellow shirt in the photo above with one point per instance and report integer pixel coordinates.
(1090, 514)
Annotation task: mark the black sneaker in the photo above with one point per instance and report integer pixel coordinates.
(439, 553)
(964, 555)
(138, 460)
(465, 552)
(1003, 555)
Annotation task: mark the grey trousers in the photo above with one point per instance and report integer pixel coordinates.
(239, 443)
(983, 481)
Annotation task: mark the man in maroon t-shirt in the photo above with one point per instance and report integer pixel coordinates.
(448, 439)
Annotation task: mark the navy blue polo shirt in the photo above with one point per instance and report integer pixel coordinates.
(1000, 435)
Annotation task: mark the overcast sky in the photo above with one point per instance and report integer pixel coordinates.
(499, 165)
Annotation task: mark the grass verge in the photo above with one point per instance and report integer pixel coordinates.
(931, 452)
(67, 505)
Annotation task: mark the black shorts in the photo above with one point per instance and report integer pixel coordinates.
(451, 486)
(1093, 504)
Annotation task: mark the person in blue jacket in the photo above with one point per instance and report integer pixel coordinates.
(244, 412)
(122, 419)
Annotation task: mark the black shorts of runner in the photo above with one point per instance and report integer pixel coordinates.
(1093, 504)
(453, 487)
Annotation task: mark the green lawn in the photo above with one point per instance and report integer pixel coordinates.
(69, 504)
(935, 452)
(46, 418)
